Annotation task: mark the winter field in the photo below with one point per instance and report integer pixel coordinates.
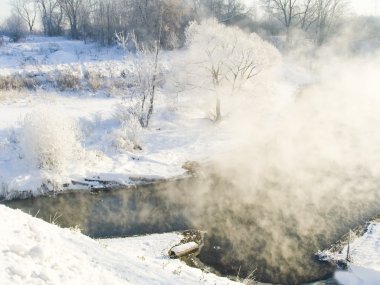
(84, 127)
(295, 135)
(56, 134)
(66, 122)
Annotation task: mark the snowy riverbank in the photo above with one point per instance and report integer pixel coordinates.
(364, 257)
(35, 252)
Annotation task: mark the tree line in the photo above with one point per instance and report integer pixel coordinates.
(100, 20)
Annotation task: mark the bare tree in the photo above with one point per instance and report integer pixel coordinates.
(308, 14)
(27, 10)
(317, 17)
(73, 10)
(146, 16)
(104, 20)
(226, 11)
(51, 16)
(285, 11)
(329, 13)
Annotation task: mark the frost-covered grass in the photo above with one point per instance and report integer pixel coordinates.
(50, 63)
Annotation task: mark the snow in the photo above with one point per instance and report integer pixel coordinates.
(364, 253)
(184, 249)
(35, 252)
(364, 250)
(49, 51)
(358, 276)
(177, 133)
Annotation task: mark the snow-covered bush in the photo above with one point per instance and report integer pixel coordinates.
(50, 141)
(128, 136)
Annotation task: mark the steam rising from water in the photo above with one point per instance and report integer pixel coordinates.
(307, 170)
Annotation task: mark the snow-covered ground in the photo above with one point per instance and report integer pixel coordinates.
(43, 253)
(51, 53)
(364, 255)
(83, 130)
(176, 134)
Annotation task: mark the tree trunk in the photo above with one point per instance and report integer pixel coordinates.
(218, 115)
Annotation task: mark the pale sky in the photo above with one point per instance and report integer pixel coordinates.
(4, 9)
(366, 7)
(363, 7)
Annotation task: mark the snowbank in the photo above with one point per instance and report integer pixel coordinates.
(358, 276)
(35, 252)
(364, 250)
(364, 254)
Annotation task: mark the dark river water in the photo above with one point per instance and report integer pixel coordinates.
(240, 236)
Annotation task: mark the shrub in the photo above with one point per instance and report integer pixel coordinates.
(9, 82)
(68, 80)
(15, 27)
(17, 82)
(128, 136)
(29, 83)
(95, 81)
(50, 141)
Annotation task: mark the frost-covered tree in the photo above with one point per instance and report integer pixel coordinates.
(147, 71)
(222, 59)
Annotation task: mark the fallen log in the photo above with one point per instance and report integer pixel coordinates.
(183, 249)
(74, 182)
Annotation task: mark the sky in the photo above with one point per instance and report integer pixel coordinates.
(366, 7)
(362, 7)
(4, 9)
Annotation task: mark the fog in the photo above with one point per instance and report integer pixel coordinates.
(304, 170)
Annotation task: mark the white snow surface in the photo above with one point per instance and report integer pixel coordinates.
(358, 276)
(36, 252)
(364, 250)
(364, 267)
(176, 134)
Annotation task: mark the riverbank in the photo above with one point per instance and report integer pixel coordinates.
(45, 254)
(356, 255)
